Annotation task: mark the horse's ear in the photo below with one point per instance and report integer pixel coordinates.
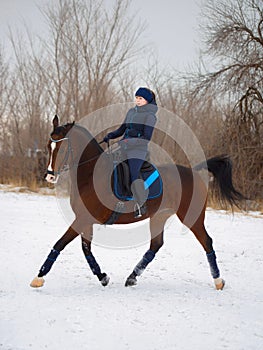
(55, 121)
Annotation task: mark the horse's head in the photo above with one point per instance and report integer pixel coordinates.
(58, 149)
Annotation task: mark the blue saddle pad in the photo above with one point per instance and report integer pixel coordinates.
(150, 175)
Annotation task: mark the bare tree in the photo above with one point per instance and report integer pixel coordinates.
(72, 71)
(90, 47)
(234, 38)
(233, 32)
(4, 120)
(4, 91)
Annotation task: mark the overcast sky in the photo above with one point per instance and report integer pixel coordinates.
(172, 28)
(172, 25)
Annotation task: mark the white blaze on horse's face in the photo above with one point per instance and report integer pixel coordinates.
(51, 177)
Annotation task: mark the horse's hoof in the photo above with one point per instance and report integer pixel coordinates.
(131, 281)
(37, 282)
(219, 283)
(105, 280)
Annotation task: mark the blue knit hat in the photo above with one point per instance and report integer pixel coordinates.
(145, 93)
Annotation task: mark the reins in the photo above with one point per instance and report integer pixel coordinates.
(66, 167)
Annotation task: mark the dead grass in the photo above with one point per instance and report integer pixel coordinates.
(246, 207)
(33, 188)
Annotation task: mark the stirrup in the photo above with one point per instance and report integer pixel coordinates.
(139, 211)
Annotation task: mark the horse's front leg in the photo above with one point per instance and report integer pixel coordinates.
(157, 223)
(94, 266)
(155, 245)
(51, 258)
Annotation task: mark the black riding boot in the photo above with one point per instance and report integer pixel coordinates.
(140, 197)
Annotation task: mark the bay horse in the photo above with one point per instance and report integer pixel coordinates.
(184, 193)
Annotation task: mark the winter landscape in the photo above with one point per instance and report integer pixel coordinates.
(89, 62)
(174, 305)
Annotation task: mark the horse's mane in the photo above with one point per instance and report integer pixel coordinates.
(89, 136)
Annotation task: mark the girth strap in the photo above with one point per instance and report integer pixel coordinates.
(118, 211)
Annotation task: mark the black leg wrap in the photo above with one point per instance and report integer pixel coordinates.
(45, 268)
(147, 258)
(211, 257)
(94, 266)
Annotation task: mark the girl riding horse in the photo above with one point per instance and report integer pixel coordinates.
(184, 194)
(137, 129)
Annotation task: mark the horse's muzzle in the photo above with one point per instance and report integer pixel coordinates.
(51, 177)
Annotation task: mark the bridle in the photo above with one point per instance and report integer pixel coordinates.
(64, 166)
(65, 163)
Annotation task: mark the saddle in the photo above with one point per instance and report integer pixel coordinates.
(121, 183)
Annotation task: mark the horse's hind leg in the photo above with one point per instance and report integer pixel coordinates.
(94, 266)
(198, 228)
(58, 247)
(156, 228)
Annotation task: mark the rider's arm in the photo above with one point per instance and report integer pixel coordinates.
(149, 127)
(117, 133)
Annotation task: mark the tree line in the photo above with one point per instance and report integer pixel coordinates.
(89, 59)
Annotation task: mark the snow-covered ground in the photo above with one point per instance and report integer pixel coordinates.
(174, 305)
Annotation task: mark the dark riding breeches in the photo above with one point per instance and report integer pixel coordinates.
(135, 166)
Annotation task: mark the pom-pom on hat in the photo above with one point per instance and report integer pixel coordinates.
(145, 93)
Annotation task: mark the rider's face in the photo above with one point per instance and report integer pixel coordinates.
(140, 101)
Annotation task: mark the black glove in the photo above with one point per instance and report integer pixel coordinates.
(107, 137)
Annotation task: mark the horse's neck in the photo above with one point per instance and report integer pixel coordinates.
(84, 146)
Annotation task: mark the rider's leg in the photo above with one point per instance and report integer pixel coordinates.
(139, 192)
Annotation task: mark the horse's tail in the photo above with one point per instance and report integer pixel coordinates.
(223, 188)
